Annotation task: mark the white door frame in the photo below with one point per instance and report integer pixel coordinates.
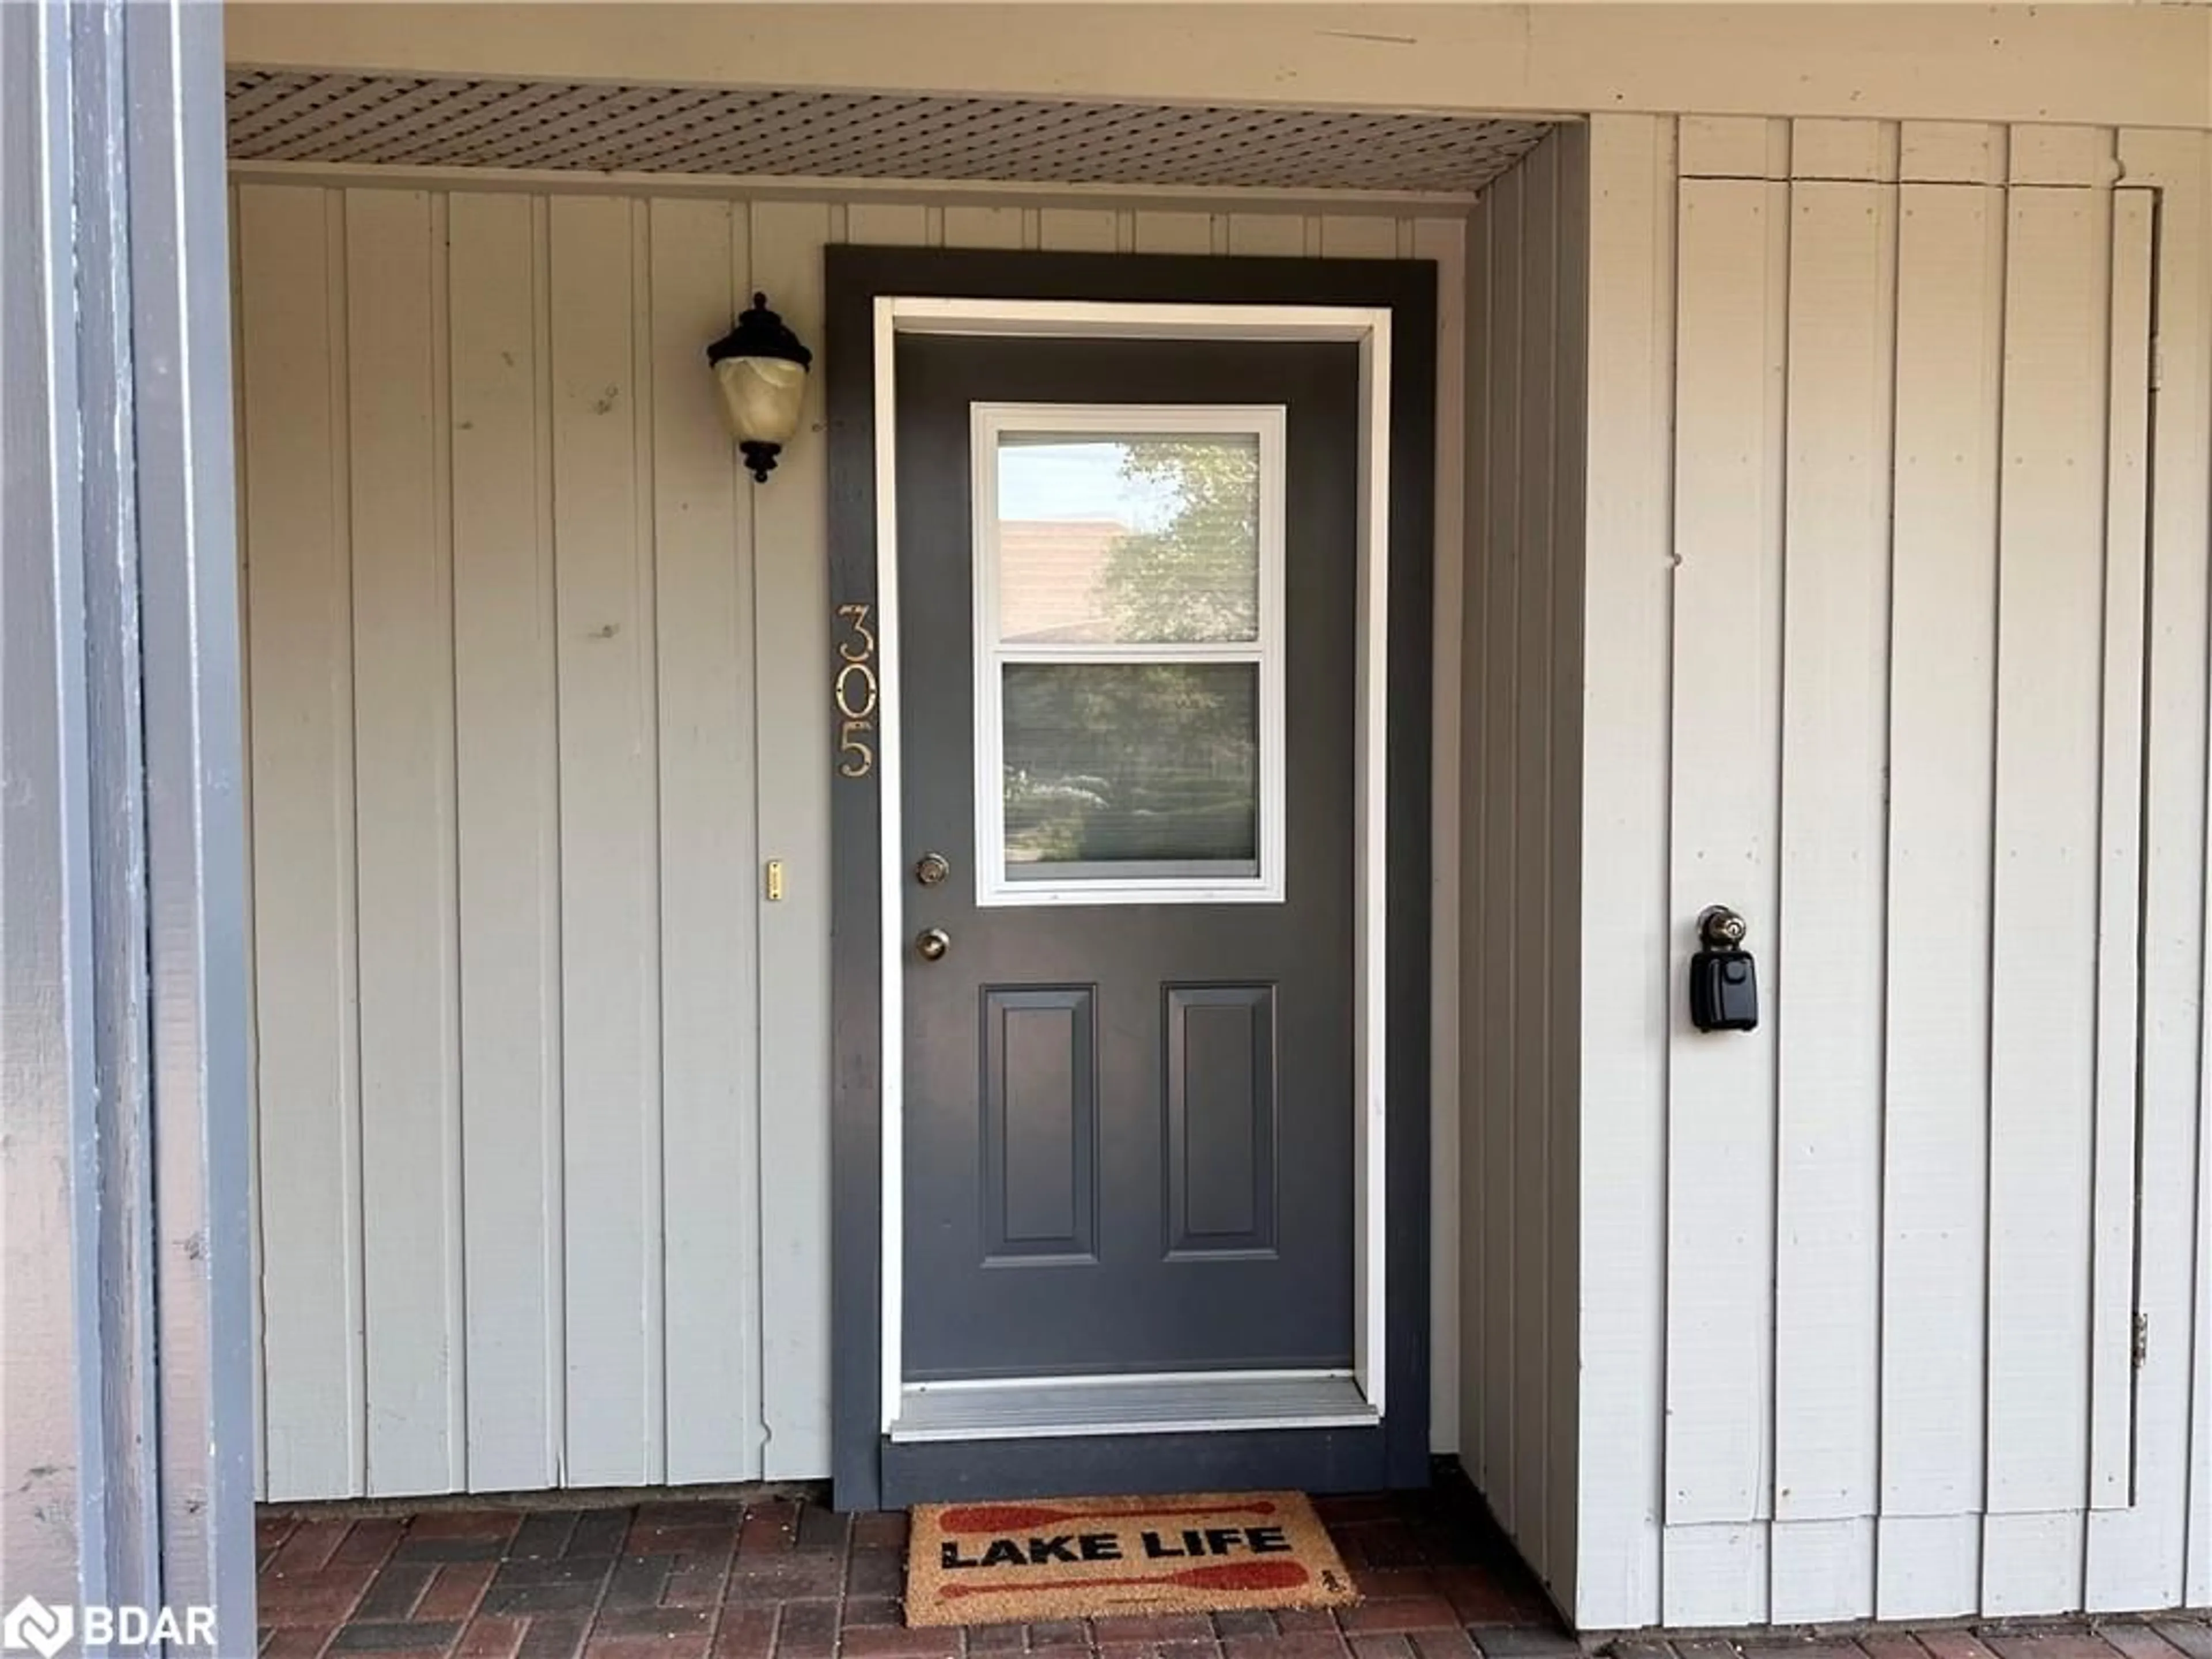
(1369, 327)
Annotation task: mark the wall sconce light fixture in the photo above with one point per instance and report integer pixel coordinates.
(761, 369)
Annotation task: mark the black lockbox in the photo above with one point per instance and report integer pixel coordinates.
(1723, 991)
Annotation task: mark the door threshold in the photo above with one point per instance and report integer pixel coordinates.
(1029, 1407)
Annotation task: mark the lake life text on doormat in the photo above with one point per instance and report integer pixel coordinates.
(1103, 1557)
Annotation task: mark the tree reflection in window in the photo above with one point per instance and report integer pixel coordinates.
(1197, 577)
(1113, 762)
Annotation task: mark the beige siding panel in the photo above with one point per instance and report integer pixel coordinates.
(1562, 1110)
(1159, 232)
(1726, 626)
(2119, 863)
(239, 486)
(2031, 1563)
(1820, 1571)
(404, 859)
(2185, 473)
(1079, 230)
(1829, 947)
(2062, 155)
(1859, 150)
(1928, 1566)
(1527, 788)
(791, 646)
(2197, 1532)
(1627, 948)
(1444, 241)
(1363, 236)
(1941, 720)
(902, 224)
(1716, 1574)
(1519, 731)
(1735, 147)
(709, 1037)
(1477, 973)
(1279, 235)
(611, 901)
(1951, 153)
(2158, 1553)
(509, 835)
(298, 589)
(2049, 642)
(987, 227)
(1503, 990)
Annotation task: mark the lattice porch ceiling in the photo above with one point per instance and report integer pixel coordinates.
(398, 120)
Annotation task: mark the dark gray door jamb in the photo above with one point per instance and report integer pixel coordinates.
(865, 1468)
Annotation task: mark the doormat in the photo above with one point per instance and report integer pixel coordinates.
(1096, 1558)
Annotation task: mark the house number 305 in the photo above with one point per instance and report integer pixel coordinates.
(853, 692)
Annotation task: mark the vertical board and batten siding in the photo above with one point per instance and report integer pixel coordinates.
(1521, 777)
(610, 1059)
(1896, 617)
(2164, 1537)
(1951, 252)
(541, 1097)
(1724, 836)
(298, 659)
(403, 860)
(505, 681)
(1446, 242)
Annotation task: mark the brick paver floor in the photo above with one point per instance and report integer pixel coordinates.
(780, 1577)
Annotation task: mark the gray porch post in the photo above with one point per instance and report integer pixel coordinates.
(126, 1334)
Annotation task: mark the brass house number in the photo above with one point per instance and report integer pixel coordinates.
(853, 692)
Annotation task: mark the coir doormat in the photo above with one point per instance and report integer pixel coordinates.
(1095, 1558)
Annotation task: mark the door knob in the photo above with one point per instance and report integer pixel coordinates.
(933, 943)
(931, 868)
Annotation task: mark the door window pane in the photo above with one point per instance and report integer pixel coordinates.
(1128, 652)
(1107, 540)
(1131, 769)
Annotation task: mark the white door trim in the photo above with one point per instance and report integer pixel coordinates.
(1369, 327)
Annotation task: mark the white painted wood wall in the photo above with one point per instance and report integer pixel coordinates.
(1830, 1322)
(1873, 653)
(536, 683)
(1520, 713)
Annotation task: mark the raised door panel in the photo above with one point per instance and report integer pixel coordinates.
(1221, 1097)
(1040, 1125)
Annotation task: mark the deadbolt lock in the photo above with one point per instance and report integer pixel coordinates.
(931, 868)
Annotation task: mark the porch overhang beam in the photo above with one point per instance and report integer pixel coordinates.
(2134, 65)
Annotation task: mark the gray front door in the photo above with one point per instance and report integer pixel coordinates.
(1127, 610)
